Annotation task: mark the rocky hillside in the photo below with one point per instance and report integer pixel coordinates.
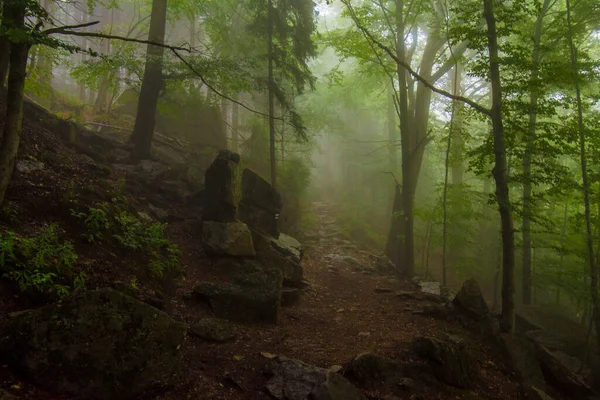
(100, 300)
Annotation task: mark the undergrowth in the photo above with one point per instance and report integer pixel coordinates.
(114, 222)
(42, 263)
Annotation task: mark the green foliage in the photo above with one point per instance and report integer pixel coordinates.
(113, 221)
(41, 263)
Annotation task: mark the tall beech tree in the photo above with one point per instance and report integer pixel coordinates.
(143, 130)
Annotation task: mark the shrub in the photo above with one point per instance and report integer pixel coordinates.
(41, 263)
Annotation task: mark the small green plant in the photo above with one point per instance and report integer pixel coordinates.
(10, 213)
(96, 221)
(41, 263)
(132, 233)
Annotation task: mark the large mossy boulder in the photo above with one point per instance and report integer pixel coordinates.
(227, 239)
(451, 360)
(251, 297)
(222, 188)
(470, 301)
(272, 254)
(101, 345)
(260, 204)
(296, 380)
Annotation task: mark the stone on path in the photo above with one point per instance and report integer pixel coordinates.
(296, 380)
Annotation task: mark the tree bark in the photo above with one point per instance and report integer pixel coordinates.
(501, 176)
(143, 130)
(392, 127)
(406, 249)
(4, 47)
(528, 155)
(273, 162)
(455, 89)
(585, 181)
(9, 147)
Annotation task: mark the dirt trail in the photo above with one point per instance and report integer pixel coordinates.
(345, 312)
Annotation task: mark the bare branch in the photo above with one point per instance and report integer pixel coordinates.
(68, 27)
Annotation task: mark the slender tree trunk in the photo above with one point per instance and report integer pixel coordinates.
(271, 97)
(9, 147)
(501, 176)
(406, 250)
(143, 130)
(457, 139)
(446, 173)
(392, 127)
(586, 185)
(235, 125)
(527, 156)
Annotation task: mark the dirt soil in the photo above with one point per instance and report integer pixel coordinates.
(344, 312)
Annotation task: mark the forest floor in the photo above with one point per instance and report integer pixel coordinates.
(344, 312)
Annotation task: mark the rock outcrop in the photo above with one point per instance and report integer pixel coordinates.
(450, 360)
(470, 301)
(99, 345)
(260, 204)
(222, 188)
(227, 239)
(295, 380)
(253, 296)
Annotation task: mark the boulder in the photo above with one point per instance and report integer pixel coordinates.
(222, 191)
(252, 297)
(273, 255)
(101, 344)
(260, 204)
(29, 166)
(558, 375)
(295, 380)
(289, 296)
(213, 329)
(450, 360)
(521, 356)
(227, 239)
(369, 369)
(288, 247)
(470, 301)
(430, 287)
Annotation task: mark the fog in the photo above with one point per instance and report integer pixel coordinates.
(390, 113)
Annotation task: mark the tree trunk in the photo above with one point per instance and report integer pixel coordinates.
(501, 176)
(235, 125)
(585, 181)
(457, 139)
(446, 172)
(271, 84)
(406, 249)
(392, 126)
(394, 244)
(143, 131)
(4, 46)
(527, 156)
(15, 15)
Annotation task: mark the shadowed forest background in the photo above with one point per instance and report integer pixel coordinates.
(438, 141)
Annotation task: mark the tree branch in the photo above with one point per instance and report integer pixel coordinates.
(199, 75)
(63, 31)
(69, 27)
(412, 72)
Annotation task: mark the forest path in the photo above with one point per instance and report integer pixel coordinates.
(344, 312)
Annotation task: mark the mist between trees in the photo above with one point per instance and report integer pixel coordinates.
(461, 138)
